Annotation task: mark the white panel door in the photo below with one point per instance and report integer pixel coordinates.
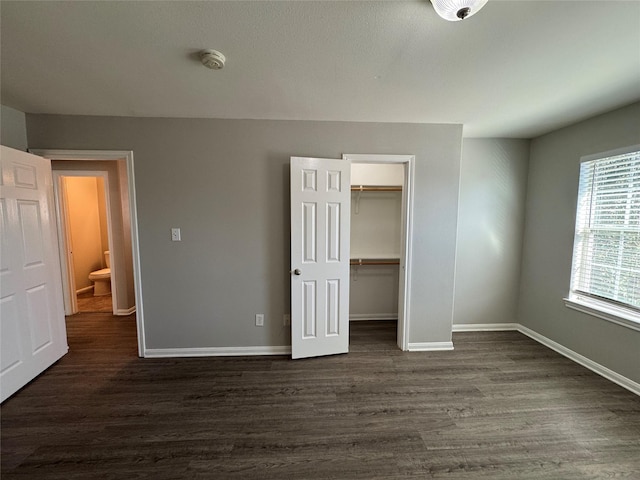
(31, 314)
(320, 215)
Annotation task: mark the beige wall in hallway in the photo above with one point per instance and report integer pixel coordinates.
(84, 224)
(102, 211)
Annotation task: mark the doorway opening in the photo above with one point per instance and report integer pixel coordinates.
(116, 170)
(381, 206)
(320, 241)
(86, 240)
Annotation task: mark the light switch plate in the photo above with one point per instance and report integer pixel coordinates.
(175, 235)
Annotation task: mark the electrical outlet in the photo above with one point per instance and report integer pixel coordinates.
(175, 235)
(259, 319)
(286, 320)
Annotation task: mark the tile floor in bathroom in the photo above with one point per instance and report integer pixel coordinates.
(87, 303)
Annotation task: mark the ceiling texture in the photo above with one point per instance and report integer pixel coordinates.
(515, 69)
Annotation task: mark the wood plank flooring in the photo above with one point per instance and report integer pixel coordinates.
(500, 406)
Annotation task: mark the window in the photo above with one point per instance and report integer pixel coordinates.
(605, 276)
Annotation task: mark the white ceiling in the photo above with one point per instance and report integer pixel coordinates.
(515, 69)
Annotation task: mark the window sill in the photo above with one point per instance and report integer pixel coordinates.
(605, 311)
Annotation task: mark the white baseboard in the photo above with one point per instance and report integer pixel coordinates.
(595, 367)
(582, 360)
(84, 289)
(356, 317)
(430, 346)
(485, 327)
(125, 311)
(216, 351)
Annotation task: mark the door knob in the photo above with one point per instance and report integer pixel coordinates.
(297, 272)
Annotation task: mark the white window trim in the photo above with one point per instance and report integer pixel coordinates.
(601, 308)
(604, 310)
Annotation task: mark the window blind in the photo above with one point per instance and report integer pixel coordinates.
(606, 255)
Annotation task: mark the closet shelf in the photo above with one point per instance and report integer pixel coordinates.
(376, 188)
(372, 188)
(374, 261)
(374, 256)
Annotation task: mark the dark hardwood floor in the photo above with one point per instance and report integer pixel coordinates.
(500, 406)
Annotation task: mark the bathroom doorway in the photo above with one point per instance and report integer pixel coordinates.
(87, 234)
(122, 219)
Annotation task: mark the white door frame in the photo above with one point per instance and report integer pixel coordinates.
(110, 155)
(404, 294)
(64, 236)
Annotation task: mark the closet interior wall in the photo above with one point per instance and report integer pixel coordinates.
(376, 213)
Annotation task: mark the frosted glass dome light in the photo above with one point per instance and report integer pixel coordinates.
(456, 10)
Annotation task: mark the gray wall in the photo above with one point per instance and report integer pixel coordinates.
(549, 230)
(493, 182)
(225, 183)
(13, 130)
(373, 292)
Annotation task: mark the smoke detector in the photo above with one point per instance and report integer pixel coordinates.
(212, 59)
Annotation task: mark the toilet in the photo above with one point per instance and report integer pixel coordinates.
(102, 278)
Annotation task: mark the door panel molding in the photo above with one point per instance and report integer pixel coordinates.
(320, 209)
(33, 333)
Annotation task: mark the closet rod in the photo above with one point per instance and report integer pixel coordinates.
(376, 188)
(362, 261)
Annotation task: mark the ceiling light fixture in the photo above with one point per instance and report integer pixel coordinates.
(456, 10)
(212, 59)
